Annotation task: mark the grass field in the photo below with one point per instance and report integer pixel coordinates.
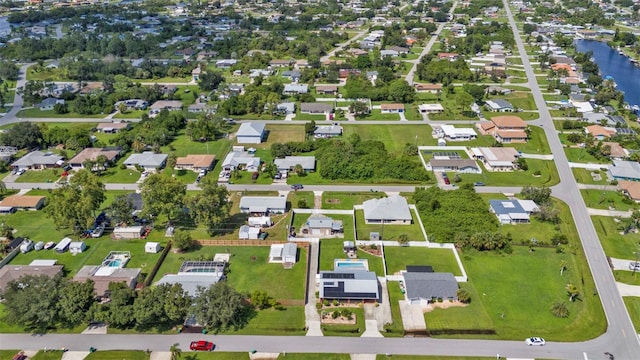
(48, 355)
(627, 277)
(332, 249)
(249, 270)
(598, 199)
(37, 113)
(8, 354)
(39, 176)
(633, 307)
(584, 176)
(614, 243)
(118, 355)
(548, 176)
(426, 357)
(581, 155)
(388, 231)
(345, 201)
(289, 321)
(442, 260)
(394, 137)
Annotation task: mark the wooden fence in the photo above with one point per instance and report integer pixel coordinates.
(247, 243)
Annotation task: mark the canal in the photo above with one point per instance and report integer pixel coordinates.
(625, 74)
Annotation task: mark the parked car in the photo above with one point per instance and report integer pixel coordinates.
(478, 183)
(201, 345)
(297, 186)
(20, 172)
(446, 181)
(634, 266)
(538, 341)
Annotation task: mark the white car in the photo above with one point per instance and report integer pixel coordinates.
(20, 172)
(535, 341)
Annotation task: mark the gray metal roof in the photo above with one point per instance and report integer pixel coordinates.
(147, 159)
(328, 130)
(262, 203)
(390, 208)
(319, 221)
(252, 129)
(37, 157)
(429, 285)
(191, 282)
(625, 169)
(289, 162)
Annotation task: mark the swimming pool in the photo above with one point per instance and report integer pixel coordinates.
(354, 264)
(115, 263)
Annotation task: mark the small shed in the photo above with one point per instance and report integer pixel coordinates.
(63, 245)
(248, 232)
(260, 221)
(77, 247)
(152, 247)
(128, 232)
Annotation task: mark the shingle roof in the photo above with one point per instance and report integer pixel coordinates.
(147, 159)
(289, 162)
(429, 285)
(253, 129)
(37, 158)
(390, 208)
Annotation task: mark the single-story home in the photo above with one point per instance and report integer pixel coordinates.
(248, 232)
(132, 104)
(430, 88)
(148, 160)
(111, 154)
(251, 132)
(10, 273)
(127, 232)
(195, 162)
(467, 166)
(430, 108)
(327, 131)
(286, 253)
(285, 108)
(390, 210)
(496, 158)
(26, 202)
(513, 211)
(453, 133)
(316, 108)
(625, 170)
(169, 105)
(112, 128)
(289, 163)
(327, 89)
(195, 274)
(426, 287)
(499, 105)
(391, 108)
(49, 103)
(599, 132)
(236, 159)
(102, 276)
(631, 189)
(295, 89)
(616, 150)
(263, 204)
(349, 285)
(38, 160)
(319, 225)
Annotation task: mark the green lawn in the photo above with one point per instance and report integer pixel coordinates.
(442, 260)
(289, 356)
(426, 357)
(332, 249)
(601, 199)
(581, 155)
(295, 197)
(537, 143)
(394, 137)
(130, 114)
(34, 225)
(8, 354)
(519, 99)
(347, 222)
(216, 355)
(395, 329)
(39, 176)
(614, 243)
(249, 270)
(627, 277)
(289, 321)
(388, 231)
(548, 175)
(584, 176)
(48, 355)
(37, 113)
(118, 355)
(346, 201)
(633, 307)
(375, 114)
(471, 317)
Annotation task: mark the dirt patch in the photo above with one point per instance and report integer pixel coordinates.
(326, 318)
(375, 252)
(443, 305)
(332, 201)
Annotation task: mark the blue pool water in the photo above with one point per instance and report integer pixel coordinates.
(115, 263)
(351, 264)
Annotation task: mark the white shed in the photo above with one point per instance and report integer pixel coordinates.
(260, 221)
(77, 247)
(63, 245)
(128, 232)
(152, 247)
(248, 232)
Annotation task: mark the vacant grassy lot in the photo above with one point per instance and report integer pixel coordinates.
(49, 355)
(633, 307)
(548, 176)
(289, 321)
(394, 137)
(442, 260)
(614, 242)
(584, 176)
(473, 316)
(581, 155)
(118, 355)
(601, 199)
(345, 201)
(289, 356)
(295, 197)
(182, 145)
(333, 249)
(249, 269)
(388, 231)
(426, 357)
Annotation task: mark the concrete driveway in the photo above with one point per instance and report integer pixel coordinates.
(412, 317)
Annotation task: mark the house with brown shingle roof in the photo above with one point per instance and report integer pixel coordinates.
(10, 273)
(509, 122)
(505, 129)
(111, 153)
(26, 202)
(599, 132)
(631, 189)
(195, 162)
(430, 88)
(391, 108)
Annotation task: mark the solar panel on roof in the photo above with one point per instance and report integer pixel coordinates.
(338, 276)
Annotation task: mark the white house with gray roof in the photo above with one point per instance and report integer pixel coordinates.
(327, 131)
(625, 170)
(148, 160)
(237, 159)
(308, 163)
(319, 225)
(427, 287)
(295, 89)
(263, 204)
(390, 210)
(251, 132)
(38, 160)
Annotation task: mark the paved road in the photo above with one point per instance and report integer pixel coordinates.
(621, 338)
(18, 101)
(341, 46)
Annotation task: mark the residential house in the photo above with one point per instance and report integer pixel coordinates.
(226, 63)
(279, 63)
(625, 170)
(424, 287)
(497, 158)
(388, 53)
(289, 163)
(195, 162)
(467, 166)
(195, 73)
(452, 133)
(240, 159)
(399, 49)
(390, 210)
(359, 52)
(252, 132)
(200, 107)
(599, 132)
(316, 108)
(616, 151)
(349, 285)
(430, 108)
(23, 202)
(247, 232)
(505, 129)
(110, 153)
(38, 160)
(285, 108)
(391, 108)
(448, 56)
(513, 211)
(327, 131)
(263, 204)
(285, 254)
(631, 189)
(112, 128)
(293, 75)
(147, 160)
(295, 89)
(132, 104)
(428, 88)
(326, 89)
(499, 105)
(102, 276)
(49, 104)
(318, 225)
(169, 105)
(9, 273)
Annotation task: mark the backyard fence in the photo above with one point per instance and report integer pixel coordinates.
(156, 267)
(247, 243)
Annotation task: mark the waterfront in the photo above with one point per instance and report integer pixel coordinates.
(625, 74)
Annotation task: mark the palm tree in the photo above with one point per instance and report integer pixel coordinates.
(403, 239)
(573, 292)
(176, 352)
(563, 267)
(559, 309)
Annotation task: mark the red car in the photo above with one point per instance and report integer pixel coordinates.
(201, 345)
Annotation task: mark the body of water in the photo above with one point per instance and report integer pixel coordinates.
(625, 74)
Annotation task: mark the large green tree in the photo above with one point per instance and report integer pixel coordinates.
(219, 307)
(75, 301)
(160, 306)
(210, 206)
(31, 301)
(162, 195)
(23, 135)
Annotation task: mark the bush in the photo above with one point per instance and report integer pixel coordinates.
(123, 167)
(335, 314)
(439, 300)
(463, 296)
(537, 173)
(326, 302)
(347, 314)
(336, 302)
(318, 306)
(302, 204)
